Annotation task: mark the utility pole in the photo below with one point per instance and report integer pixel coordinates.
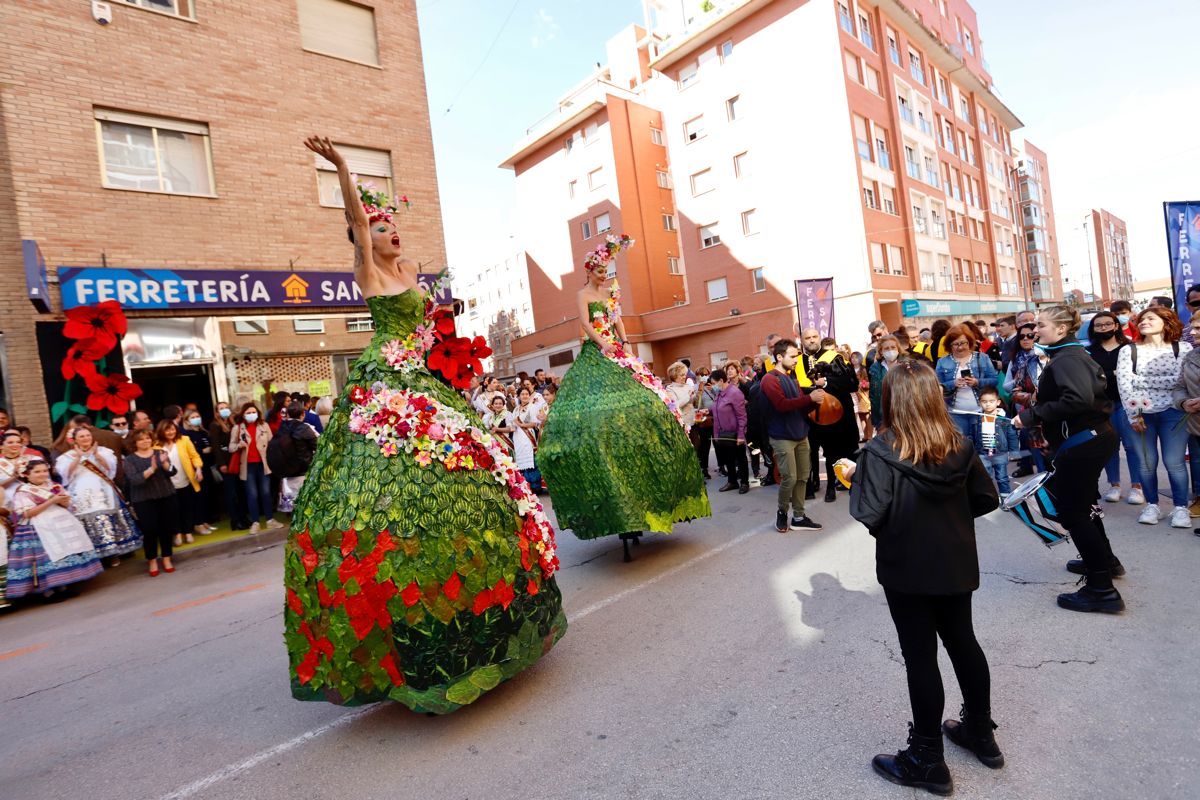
(1087, 240)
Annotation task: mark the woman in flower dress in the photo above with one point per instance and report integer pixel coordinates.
(419, 567)
(614, 451)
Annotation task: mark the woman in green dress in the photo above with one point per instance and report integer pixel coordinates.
(419, 565)
(614, 452)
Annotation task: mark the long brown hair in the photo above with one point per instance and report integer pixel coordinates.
(914, 410)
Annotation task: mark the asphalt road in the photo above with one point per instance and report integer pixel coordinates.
(726, 661)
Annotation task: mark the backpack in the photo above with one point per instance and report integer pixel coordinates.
(285, 456)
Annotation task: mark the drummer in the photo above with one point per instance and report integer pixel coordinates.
(1074, 411)
(787, 427)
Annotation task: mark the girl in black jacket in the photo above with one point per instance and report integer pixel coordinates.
(1073, 409)
(920, 468)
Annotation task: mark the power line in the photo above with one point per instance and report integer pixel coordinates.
(486, 55)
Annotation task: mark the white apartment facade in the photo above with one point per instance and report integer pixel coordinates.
(496, 306)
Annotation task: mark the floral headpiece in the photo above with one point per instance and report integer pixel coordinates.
(606, 250)
(377, 204)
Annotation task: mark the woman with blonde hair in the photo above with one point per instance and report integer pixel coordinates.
(917, 468)
(683, 392)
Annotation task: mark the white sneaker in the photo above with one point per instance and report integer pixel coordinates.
(254, 528)
(1136, 496)
(273, 524)
(1113, 495)
(755, 482)
(1149, 515)
(1180, 518)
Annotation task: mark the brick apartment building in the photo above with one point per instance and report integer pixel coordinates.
(1110, 244)
(1039, 236)
(763, 141)
(170, 139)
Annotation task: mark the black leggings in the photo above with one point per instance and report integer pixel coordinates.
(158, 519)
(1073, 487)
(920, 620)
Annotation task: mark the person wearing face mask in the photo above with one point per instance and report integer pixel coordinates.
(1106, 340)
(828, 370)
(1123, 310)
(249, 439)
(193, 429)
(890, 353)
(1020, 384)
(232, 495)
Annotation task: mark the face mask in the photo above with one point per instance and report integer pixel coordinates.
(1104, 336)
(194, 422)
(890, 355)
(225, 413)
(1123, 318)
(120, 431)
(251, 417)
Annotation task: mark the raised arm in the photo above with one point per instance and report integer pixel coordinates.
(356, 216)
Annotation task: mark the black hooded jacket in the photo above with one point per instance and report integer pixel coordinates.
(922, 516)
(1071, 394)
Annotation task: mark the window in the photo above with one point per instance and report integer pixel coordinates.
(371, 167)
(178, 8)
(881, 148)
(709, 236)
(726, 49)
(893, 48)
(731, 107)
(968, 42)
(569, 143)
(154, 154)
(701, 182)
(339, 29)
(664, 179)
(603, 225)
(741, 165)
(656, 136)
(718, 358)
(247, 327)
(919, 219)
(668, 221)
(914, 66)
(870, 78)
(596, 178)
(717, 290)
(889, 199)
(759, 280)
(864, 31)
(673, 267)
(852, 66)
(308, 325)
(877, 262)
(943, 95)
(896, 260)
(870, 195)
(571, 189)
(844, 17)
(586, 228)
(688, 75)
(590, 132)
(693, 129)
(362, 323)
(749, 226)
(860, 138)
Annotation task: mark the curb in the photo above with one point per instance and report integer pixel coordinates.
(250, 541)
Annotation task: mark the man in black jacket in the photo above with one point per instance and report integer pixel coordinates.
(839, 440)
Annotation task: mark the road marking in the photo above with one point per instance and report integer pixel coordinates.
(211, 598)
(236, 769)
(33, 648)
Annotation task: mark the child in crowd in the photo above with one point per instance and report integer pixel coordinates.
(996, 439)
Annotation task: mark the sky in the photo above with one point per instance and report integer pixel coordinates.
(1102, 87)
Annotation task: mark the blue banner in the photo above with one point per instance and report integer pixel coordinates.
(1183, 244)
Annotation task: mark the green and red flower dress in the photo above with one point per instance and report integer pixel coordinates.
(419, 566)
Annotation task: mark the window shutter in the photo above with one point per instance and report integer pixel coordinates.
(361, 161)
(145, 120)
(338, 28)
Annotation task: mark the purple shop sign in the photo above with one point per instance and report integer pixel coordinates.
(144, 289)
(814, 304)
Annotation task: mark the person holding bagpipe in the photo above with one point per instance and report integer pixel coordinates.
(1073, 411)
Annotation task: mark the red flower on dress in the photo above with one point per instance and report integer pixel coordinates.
(112, 392)
(445, 357)
(359, 395)
(388, 663)
(453, 586)
(80, 357)
(103, 321)
(294, 603)
(308, 556)
(443, 323)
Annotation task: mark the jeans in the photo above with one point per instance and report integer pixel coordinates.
(997, 466)
(258, 492)
(967, 423)
(792, 459)
(1130, 440)
(1165, 430)
(157, 518)
(920, 620)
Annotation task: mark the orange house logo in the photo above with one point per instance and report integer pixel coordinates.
(296, 289)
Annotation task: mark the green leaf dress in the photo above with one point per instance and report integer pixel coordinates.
(613, 455)
(407, 582)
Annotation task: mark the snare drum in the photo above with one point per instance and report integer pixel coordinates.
(1035, 506)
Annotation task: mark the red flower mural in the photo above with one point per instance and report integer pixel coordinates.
(113, 392)
(80, 357)
(104, 322)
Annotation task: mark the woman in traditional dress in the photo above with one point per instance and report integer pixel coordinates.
(419, 567)
(49, 549)
(614, 451)
(88, 471)
(527, 425)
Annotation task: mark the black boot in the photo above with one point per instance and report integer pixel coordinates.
(830, 493)
(744, 487)
(919, 765)
(1076, 565)
(974, 733)
(811, 492)
(1097, 594)
(729, 486)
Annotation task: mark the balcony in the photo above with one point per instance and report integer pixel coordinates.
(929, 282)
(914, 171)
(885, 160)
(950, 146)
(864, 149)
(917, 72)
(931, 177)
(939, 230)
(845, 22)
(867, 40)
(924, 125)
(894, 53)
(920, 225)
(947, 282)
(906, 114)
